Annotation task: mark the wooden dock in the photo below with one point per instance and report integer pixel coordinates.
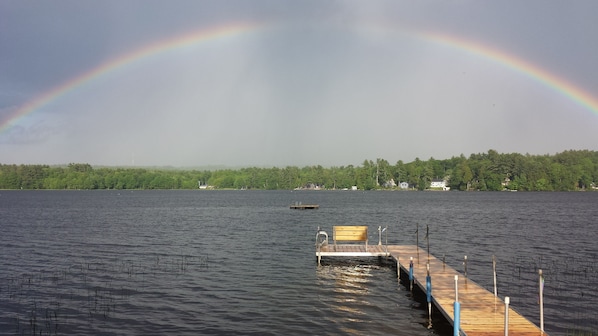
(482, 314)
(300, 206)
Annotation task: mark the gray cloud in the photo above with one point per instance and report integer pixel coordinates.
(331, 84)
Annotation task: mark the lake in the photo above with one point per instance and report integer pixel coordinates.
(197, 262)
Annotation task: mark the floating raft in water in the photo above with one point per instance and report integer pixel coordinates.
(481, 313)
(304, 206)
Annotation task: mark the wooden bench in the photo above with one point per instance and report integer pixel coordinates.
(350, 233)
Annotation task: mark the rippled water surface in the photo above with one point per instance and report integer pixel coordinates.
(241, 262)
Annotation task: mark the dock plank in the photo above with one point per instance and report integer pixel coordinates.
(482, 314)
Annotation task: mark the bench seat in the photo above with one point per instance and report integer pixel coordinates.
(350, 233)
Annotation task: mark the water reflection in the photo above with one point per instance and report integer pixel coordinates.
(349, 285)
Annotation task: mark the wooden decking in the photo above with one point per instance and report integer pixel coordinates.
(353, 250)
(482, 314)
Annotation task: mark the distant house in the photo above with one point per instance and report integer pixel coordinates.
(204, 186)
(439, 184)
(309, 186)
(404, 185)
(390, 183)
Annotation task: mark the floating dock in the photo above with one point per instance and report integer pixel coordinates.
(481, 313)
(304, 206)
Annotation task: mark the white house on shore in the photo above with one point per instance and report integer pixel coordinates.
(439, 184)
(204, 186)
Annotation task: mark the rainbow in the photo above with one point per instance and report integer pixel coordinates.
(536, 73)
(185, 40)
(548, 79)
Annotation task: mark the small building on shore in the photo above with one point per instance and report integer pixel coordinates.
(439, 184)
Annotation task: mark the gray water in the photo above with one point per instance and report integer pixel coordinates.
(243, 263)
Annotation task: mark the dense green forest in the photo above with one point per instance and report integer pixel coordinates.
(566, 171)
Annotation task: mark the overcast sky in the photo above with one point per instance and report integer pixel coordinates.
(298, 83)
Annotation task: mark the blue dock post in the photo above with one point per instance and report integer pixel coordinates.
(456, 319)
(457, 309)
(411, 274)
(429, 296)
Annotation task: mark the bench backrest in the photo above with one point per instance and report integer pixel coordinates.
(350, 233)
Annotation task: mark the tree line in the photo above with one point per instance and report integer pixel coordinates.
(492, 171)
